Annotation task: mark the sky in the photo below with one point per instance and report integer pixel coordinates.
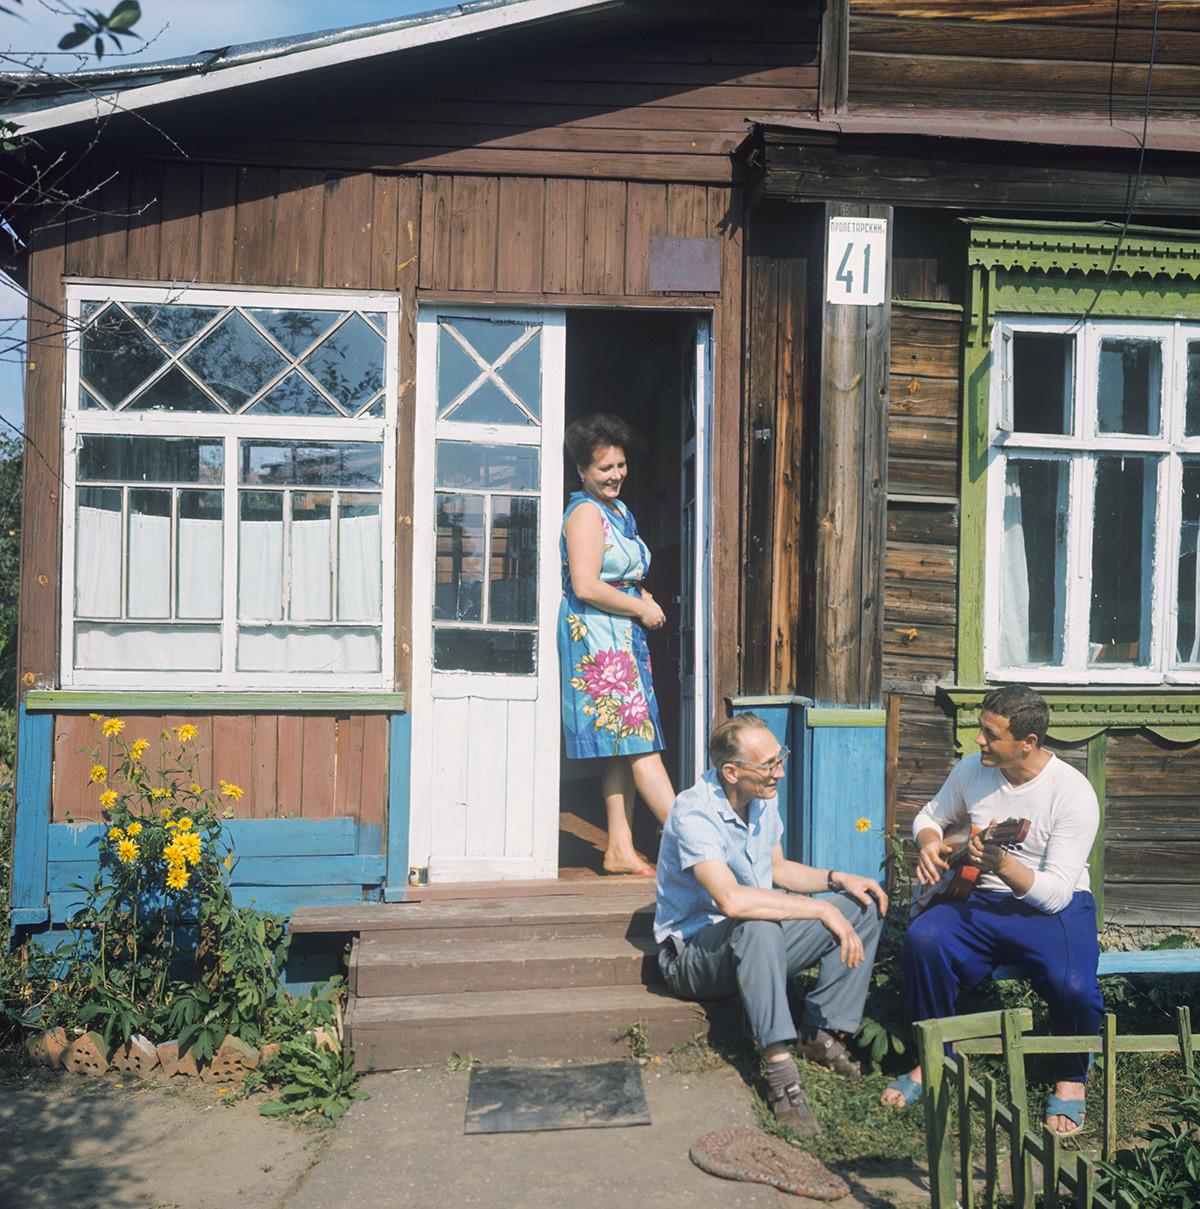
(170, 29)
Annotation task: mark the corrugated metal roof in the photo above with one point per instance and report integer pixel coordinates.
(1057, 130)
(46, 101)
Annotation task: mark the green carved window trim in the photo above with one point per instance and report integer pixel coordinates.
(1054, 269)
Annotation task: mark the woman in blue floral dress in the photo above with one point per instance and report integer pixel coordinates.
(608, 706)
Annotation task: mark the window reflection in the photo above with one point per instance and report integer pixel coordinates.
(1130, 387)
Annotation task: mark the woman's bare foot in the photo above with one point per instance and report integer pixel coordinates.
(1063, 1125)
(900, 1094)
(627, 862)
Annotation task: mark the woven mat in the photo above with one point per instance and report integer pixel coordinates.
(758, 1158)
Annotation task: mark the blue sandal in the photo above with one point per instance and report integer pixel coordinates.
(908, 1087)
(1073, 1110)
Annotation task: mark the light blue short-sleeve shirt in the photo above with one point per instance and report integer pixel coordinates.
(703, 826)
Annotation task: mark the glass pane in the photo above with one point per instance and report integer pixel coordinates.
(523, 374)
(514, 567)
(174, 391)
(1187, 641)
(1130, 388)
(149, 553)
(294, 396)
(150, 459)
(260, 555)
(490, 338)
(458, 575)
(360, 558)
(1191, 420)
(508, 652)
(494, 467)
(1033, 573)
(1122, 553)
(234, 361)
(297, 331)
(349, 363)
(311, 557)
(312, 463)
(456, 370)
(174, 325)
(98, 552)
(116, 355)
(488, 404)
(308, 649)
(1042, 382)
(201, 562)
(148, 648)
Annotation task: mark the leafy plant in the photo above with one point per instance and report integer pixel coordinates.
(308, 1078)
(1165, 1173)
(456, 1062)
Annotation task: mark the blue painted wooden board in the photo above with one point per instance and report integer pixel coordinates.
(1156, 961)
(843, 782)
(255, 871)
(31, 815)
(284, 899)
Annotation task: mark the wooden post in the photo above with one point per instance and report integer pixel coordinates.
(990, 1152)
(935, 1095)
(1013, 1043)
(1183, 1022)
(1097, 759)
(1051, 1164)
(1109, 1050)
(966, 1154)
(851, 491)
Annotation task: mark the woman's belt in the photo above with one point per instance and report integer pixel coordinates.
(626, 583)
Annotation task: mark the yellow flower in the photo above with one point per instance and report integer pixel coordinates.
(177, 877)
(231, 791)
(174, 854)
(108, 797)
(116, 835)
(134, 829)
(194, 788)
(863, 825)
(190, 845)
(114, 726)
(98, 773)
(165, 812)
(185, 824)
(128, 851)
(185, 732)
(228, 863)
(139, 749)
(159, 792)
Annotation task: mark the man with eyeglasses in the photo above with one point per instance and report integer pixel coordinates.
(733, 915)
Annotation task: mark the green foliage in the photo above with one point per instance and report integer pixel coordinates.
(456, 1062)
(308, 1077)
(1165, 1172)
(92, 24)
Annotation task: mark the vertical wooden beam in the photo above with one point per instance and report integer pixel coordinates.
(399, 763)
(833, 88)
(851, 492)
(1097, 764)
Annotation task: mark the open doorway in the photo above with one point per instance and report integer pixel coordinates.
(639, 365)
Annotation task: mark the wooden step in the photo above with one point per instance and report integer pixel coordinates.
(500, 919)
(580, 1022)
(406, 967)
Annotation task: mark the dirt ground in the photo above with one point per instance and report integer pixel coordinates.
(110, 1143)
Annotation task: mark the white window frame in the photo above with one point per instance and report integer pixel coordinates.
(1081, 447)
(230, 428)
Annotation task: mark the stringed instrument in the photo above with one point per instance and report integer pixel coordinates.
(956, 884)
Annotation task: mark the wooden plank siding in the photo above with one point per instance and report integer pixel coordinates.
(921, 557)
(666, 103)
(1092, 58)
(288, 766)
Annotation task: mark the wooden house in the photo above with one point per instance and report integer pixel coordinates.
(903, 296)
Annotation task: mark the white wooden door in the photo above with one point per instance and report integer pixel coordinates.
(486, 586)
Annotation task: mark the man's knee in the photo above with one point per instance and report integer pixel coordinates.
(923, 943)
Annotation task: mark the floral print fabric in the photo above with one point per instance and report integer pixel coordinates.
(608, 704)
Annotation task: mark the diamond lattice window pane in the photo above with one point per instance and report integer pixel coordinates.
(522, 373)
(174, 391)
(294, 396)
(175, 325)
(235, 361)
(489, 405)
(117, 356)
(296, 331)
(349, 363)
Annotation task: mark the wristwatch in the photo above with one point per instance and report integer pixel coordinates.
(829, 882)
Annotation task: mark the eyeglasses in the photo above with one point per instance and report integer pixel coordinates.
(776, 765)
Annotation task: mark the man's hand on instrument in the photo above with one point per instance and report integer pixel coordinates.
(932, 863)
(987, 857)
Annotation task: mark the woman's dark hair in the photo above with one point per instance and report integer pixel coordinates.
(588, 435)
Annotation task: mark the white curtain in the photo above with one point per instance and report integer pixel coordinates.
(1014, 578)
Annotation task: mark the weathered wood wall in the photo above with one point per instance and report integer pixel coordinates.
(667, 101)
(288, 766)
(1031, 57)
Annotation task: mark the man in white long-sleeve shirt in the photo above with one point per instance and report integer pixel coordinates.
(1032, 903)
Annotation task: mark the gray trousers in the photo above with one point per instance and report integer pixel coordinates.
(756, 957)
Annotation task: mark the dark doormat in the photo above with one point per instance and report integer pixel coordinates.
(518, 1099)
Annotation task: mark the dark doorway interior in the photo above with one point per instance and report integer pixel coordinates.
(634, 365)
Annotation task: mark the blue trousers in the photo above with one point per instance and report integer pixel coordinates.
(960, 944)
(756, 957)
